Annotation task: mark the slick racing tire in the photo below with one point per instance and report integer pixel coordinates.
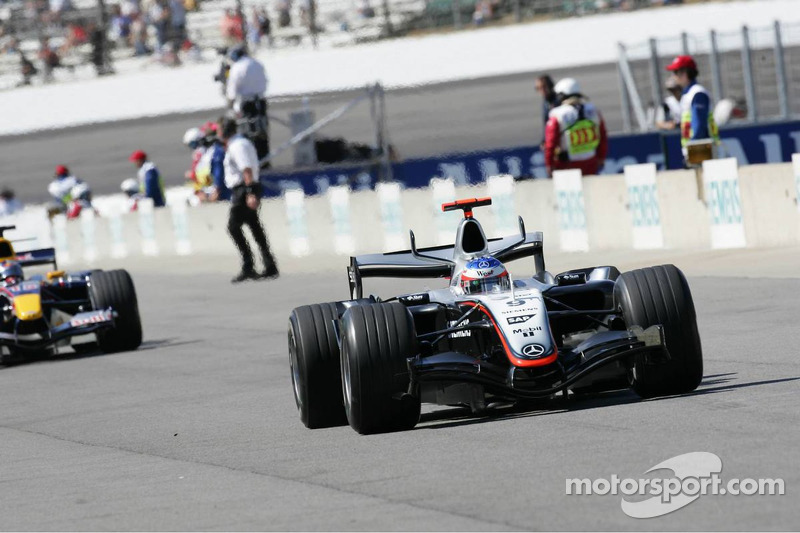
(114, 289)
(661, 295)
(377, 340)
(314, 363)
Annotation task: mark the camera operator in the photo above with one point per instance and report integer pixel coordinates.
(241, 177)
(245, 91)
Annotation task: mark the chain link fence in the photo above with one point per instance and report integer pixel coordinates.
(756, 69)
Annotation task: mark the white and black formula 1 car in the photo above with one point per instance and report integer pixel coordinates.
(487, 338)
(87, 310)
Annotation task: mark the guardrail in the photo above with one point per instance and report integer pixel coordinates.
(723, 206)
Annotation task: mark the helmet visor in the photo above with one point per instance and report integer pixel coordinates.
(481, 286)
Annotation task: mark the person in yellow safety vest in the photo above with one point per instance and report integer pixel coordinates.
(149, 179)
(575, 136)
(697, 118)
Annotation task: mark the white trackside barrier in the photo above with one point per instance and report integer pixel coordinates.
(568, 185)
(501, 190)
(796, 168)
(721, 182)
(756, 206)
(394, 233)
(644, 207)
(296, 215)
(339, 197)
(444, 190)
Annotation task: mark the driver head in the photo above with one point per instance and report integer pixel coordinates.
(483, 275)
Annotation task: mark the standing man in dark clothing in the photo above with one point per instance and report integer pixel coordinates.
(545, 88)
(241, 177)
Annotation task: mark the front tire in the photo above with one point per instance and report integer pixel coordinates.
(377, 340)
(114, 289)
(314, 363)
(661, 295)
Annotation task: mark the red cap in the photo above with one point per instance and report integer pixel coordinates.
(138, 155)
(61, 170)
(682, 62)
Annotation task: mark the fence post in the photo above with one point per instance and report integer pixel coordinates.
(685, 43)
(655, 74)
(716, 74)
(749, 82)
(633, 91)
(625, 96)
(517, 11)
(780, 72)
(456, 6)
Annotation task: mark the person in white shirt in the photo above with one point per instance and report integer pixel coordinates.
(242, 178)
(60, 189)
(245, 91)
(9, 203)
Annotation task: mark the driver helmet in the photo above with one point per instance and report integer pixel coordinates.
(484, 274)
(10, 273)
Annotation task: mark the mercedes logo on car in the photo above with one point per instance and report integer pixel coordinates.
(533, 350)
(483, 264)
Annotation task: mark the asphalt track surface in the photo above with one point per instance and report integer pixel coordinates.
(198, 429)
(423, 121)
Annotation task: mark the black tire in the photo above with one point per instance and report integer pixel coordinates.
(377, 340)
(314, 360)
(114, 289)
(661, 295)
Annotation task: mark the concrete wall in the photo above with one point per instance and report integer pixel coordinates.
(768, 202)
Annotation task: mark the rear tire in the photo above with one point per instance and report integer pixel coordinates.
(114, 289)
(377, 340)
(661, 295)
(314, 363)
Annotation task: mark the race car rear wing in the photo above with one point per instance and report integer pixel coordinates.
(437, 261)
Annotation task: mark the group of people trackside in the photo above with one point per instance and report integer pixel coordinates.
(69, 195)
(575, 135)
(206, 173)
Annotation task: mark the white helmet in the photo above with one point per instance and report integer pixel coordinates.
(567, 87)
(130, 186)
(192, 135)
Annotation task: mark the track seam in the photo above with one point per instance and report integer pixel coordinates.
(511, 526)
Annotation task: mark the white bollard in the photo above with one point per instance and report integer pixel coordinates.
(501, 190)
(147, 226)
(339, 199)
(180, 226)
(60, 239)
(643, 204)
(391, 216)
(89, 235)
(721, 183)
(296, 216)
(444, 191)
(568, 186)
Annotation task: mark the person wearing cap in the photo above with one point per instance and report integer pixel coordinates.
(150, 183)
(696, 119)
(575, 136)
(60, 189)
(245, 91)
(242, 178)
(668, 116)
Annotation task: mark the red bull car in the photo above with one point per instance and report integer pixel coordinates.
(45, 313)
(486, 338)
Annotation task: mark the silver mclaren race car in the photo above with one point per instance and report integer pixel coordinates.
(487, 338)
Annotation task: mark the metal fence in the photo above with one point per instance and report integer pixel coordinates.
(758, 68)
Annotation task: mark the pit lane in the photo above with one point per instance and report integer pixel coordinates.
(198, 429)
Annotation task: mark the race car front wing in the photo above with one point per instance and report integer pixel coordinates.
(80, 324)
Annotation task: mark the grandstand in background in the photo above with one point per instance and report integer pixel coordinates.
(336, 23)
